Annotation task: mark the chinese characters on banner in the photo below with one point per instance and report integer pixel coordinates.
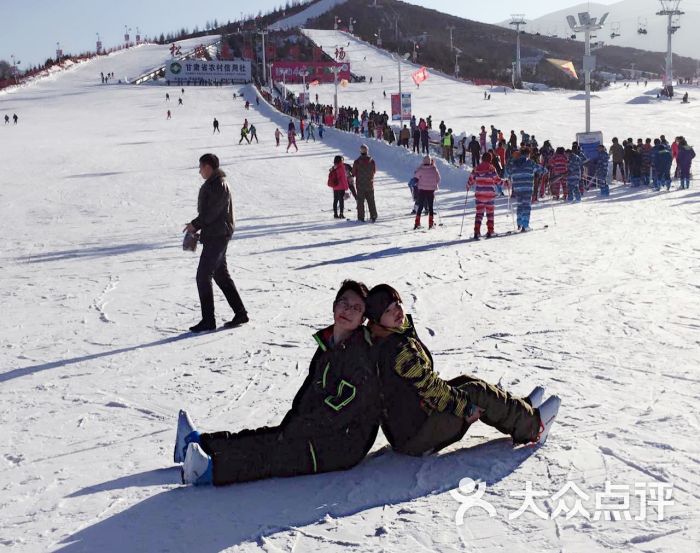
(404, 104)
(195, 70)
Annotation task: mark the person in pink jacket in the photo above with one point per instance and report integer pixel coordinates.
(338, 181)
(428, 183)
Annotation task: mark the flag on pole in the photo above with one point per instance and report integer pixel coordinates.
(419, 75)
(565, 65)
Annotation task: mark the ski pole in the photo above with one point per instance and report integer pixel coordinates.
(436, 211)
(464, 212)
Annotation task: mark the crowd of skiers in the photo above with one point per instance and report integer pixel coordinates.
(517, 164)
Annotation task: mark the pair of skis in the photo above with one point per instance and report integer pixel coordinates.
(504, 234)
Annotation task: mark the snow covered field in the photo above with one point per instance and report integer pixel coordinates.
(602, 307)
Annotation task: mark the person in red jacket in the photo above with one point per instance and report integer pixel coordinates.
(559, 169)
(484, 179)
(338, 181)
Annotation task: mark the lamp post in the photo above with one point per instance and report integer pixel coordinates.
(451, 28)
(303, 74)
(270, 82)
(587, 25)
(262, 34)
(335, 70)
(15, 68)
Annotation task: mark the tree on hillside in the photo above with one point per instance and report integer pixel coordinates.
(5, 70)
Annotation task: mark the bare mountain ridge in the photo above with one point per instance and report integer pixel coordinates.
(486, 51)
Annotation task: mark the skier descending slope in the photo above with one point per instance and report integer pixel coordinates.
(522, 172)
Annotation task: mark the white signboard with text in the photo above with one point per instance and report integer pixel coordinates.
(194, 70)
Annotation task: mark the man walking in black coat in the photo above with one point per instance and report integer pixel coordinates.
(475, 150)
(215, 224)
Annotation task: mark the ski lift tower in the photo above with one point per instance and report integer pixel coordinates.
(587, 25)
(517, 20)
(670, 9)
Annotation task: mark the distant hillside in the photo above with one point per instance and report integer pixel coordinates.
(487, 51)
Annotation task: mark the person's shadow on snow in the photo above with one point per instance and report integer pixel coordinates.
(208, 519)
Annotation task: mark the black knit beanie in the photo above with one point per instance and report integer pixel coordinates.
(379, 298)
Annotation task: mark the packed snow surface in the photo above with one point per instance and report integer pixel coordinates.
(602, 307)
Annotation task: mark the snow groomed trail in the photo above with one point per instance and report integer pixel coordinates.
(601, 307)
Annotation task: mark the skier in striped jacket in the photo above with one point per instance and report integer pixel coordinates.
(484, 178)
(573, 180)
(559, 168)
(521, 171)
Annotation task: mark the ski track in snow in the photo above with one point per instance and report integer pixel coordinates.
(602, 308)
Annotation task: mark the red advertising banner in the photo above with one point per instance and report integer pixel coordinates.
(270, 51)
(248, 53)
(401, 107)
(395, 107)
(291, 71)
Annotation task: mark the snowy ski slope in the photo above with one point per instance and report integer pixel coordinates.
(602, 307)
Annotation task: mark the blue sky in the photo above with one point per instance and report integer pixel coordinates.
(31, 28)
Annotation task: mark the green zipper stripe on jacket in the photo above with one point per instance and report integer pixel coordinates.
(320, 343)
(313, 456)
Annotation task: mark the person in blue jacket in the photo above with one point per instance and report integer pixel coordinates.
(661, 161)
(521, 171)
(601, 170)
(573, 179)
